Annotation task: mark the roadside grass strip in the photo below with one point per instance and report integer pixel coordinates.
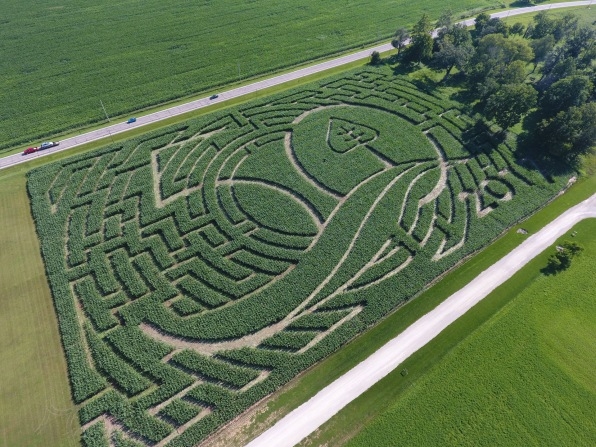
(237, 249)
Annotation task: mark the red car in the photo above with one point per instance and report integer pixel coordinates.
(30, 150)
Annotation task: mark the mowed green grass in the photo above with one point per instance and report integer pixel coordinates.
(61, 58)
(35, 404)
(527, 376)
(586, 15)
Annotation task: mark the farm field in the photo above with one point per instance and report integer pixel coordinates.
(526, 376)
(60, 59)
(198, 268)
(36, 408)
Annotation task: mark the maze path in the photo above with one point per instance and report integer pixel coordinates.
(198, 268)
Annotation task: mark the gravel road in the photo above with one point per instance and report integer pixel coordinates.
(311, 415)
(107, 132)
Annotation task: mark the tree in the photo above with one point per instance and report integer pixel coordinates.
(568, 92)
(556, 66)
(543, 25)
(517, 28)
(495, 26)
(488, 67)
(480, 22)
(582, 39)
(541, 47)
(446, 19)
(570, 133)
(458, 34)
(451, 55)
(587, 58)
(400, 39)
(422, 43)
(499, 48)
(423, 26)
(564, 68)
(529, 2)
(514, 73)
(453, 48)
(509, 103)
(375, 58)
(572, 247)
(561, 259)
(565, 26)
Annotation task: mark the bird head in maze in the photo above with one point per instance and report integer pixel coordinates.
(342, 146)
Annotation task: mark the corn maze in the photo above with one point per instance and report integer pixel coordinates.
(197, 269)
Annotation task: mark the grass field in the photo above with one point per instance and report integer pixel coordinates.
(60, 59)
(35, 404)
(200, 267)
(525, 377)
(586, 15)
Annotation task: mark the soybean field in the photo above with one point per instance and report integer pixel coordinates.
(198, 268)
(62, 59)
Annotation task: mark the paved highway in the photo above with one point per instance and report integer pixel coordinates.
(108, 131)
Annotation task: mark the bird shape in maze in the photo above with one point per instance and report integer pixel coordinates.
(271, 227)
(338, 160)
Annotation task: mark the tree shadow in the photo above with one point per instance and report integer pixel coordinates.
(519, 4)
(549, 270)
(425, 82)
(530, 147)
(479, 138)
(471, 105)
(402, 68)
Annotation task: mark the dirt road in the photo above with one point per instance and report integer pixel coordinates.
(311, 415)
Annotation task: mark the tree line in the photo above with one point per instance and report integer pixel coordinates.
(546, 69)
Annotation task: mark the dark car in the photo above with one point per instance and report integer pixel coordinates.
(131, 120)
(214, 96)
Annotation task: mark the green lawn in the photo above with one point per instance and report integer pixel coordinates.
(35, 404)
(60, 59)
(586, 15)
(524, 377)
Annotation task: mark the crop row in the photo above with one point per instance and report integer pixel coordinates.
(179, 411)
(114, 368)
(131, 414)
(289, 340)
(214, 369)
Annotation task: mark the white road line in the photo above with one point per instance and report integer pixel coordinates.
(115, 129)
(304, 420)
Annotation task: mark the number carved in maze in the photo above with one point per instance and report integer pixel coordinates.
(198, 268)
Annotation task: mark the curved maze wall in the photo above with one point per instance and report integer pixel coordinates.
(198, 268)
